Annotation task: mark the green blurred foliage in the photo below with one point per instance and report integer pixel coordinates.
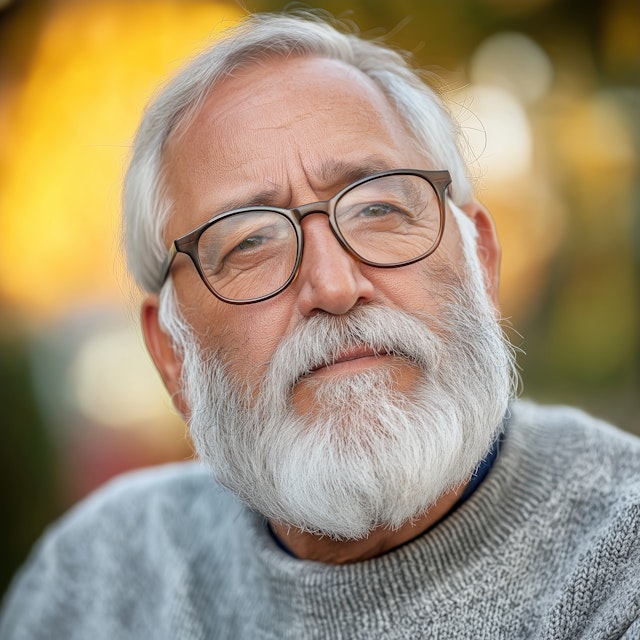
(29, 493)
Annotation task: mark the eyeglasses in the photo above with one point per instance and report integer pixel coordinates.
(388, 219)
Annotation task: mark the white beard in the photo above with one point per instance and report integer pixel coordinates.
(368, 455)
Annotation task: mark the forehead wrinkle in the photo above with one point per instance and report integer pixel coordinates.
(332, 172)
(275, 192)
(337, 173)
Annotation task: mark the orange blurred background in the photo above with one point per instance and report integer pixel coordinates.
(547, 92)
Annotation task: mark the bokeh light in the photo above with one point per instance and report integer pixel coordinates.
(499, 134)
(515, 62)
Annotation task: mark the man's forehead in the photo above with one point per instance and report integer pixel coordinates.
(277, 80)
(285, 134)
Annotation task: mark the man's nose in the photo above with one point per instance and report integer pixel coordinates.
(330, 279)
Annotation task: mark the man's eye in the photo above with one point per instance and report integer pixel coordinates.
(377, 210)
(234, 255)
(249, 243)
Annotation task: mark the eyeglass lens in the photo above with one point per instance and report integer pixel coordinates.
(387, 220)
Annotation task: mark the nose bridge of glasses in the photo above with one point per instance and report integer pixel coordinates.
(323, 207)
(305, 210)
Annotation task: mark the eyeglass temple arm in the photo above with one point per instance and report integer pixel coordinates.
(166, 264)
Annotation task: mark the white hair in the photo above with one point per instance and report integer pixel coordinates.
(146, 207)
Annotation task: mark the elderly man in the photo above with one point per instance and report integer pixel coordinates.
(322, 306)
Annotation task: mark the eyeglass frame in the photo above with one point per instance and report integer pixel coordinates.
(188, 243)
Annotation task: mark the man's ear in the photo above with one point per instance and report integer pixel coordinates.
(488, 246)
(163, 353)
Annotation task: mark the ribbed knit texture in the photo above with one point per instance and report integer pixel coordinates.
(547, 547)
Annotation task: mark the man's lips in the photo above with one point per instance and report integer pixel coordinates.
(349, 355)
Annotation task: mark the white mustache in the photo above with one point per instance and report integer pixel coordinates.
(322, 339)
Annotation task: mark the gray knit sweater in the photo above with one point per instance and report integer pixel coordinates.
(547, 547)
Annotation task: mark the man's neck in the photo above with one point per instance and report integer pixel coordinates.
(309, 546)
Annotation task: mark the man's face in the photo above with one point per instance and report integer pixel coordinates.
(286, 133)
(416, 379)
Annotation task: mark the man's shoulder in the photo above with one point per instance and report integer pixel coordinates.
(174, 479)
(185, 491)
(126, 543)
(572, 432)
(156, 503)
(579, 467)
(564, 506)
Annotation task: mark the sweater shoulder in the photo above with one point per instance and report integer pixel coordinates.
(593, 506)
(580, 448)
(572, 421)
(120, 552)
(181, 495)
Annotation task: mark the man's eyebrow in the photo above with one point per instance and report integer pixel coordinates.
(266, 197)
(343, 172)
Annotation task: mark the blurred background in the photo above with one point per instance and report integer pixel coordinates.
(548, 95)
